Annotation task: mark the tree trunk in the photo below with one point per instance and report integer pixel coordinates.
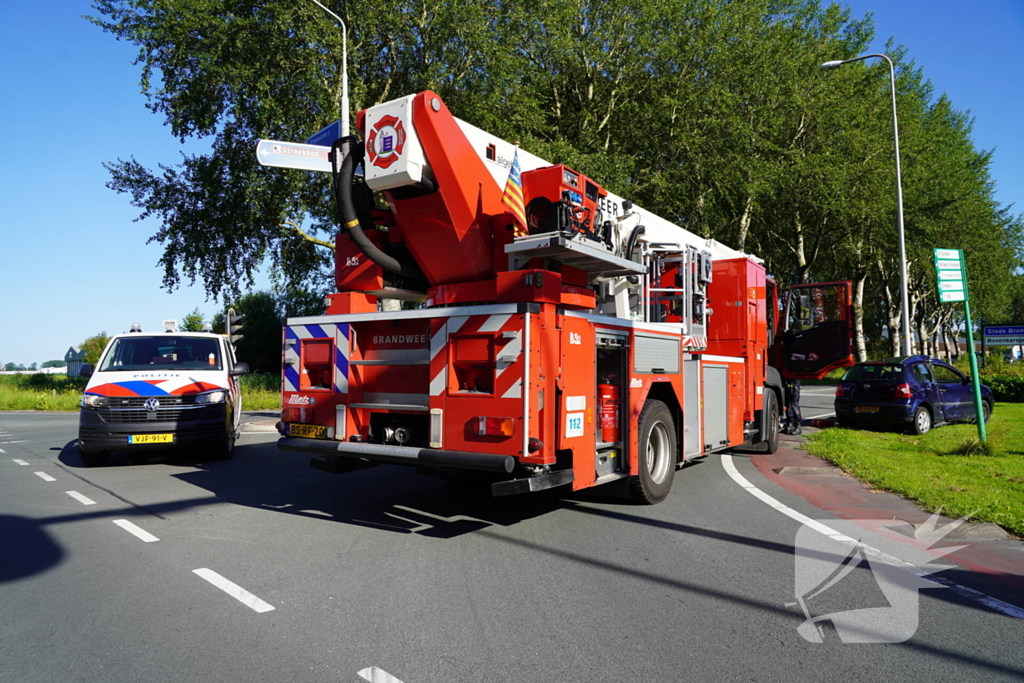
(860, 348)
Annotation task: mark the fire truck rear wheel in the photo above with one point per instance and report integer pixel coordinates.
(771, 405)
(659, 451)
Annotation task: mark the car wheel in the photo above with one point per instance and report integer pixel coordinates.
(986, 410)
(922, 421)
(94, 458)
(658, 454)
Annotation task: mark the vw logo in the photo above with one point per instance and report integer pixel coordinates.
(151, 404)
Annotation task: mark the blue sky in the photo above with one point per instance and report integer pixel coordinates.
(73, 263)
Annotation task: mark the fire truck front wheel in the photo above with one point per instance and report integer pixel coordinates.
(658, 449)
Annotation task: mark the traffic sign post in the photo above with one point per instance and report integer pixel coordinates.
(952, 274)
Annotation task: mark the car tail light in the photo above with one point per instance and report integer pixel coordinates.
(495, 426)
(902, 391)
(839, 391)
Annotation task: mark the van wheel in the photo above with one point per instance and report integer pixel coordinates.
(659, 451)
(225, 450)
(94, 458)
(922, 421)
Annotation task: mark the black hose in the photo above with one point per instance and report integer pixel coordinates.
(637, 231)
(348, 217)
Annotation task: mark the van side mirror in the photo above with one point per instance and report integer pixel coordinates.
(240, 369)
(86, 370)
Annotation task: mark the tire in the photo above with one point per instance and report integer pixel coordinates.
(94, 458)
(225, 450)
(659, 451)
(922, 423)
(771, 406)
(771, 444)
(986, 411)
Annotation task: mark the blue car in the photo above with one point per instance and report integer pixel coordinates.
(918, 392)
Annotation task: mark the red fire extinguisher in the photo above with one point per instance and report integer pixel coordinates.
(608, 411)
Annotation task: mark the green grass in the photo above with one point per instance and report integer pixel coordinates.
(945, 468)
(60, 393)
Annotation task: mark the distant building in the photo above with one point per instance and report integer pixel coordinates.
(75, 358)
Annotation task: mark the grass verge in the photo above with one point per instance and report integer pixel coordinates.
(945, 468)
(60, 393)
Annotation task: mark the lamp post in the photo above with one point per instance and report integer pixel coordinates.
(344, 69)
(904, 294)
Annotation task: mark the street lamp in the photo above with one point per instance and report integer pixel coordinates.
(344, 69)
(904, 296)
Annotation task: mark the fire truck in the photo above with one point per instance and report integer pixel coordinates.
(560, 335)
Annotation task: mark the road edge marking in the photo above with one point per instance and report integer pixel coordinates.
(80, 498)
(234, 590)
(136, 530)
(963, 591)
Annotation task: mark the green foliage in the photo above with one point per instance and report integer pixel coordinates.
(946, 468)
(260, 346)
(711, 114)
(193, 322)
(52, 364)
(93, 347)
(40, 392)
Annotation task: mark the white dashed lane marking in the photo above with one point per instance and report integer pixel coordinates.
(136, 531)
(377, 675)
(80, 498)
(234, 590)
(20, 461)
(44, 476)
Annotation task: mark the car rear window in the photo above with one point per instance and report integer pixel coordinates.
(874, 372)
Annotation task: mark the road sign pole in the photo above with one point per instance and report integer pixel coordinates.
(975, 380)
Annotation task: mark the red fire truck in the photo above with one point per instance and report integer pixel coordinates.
(563, 337)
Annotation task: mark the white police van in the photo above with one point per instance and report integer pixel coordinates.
(161, 390)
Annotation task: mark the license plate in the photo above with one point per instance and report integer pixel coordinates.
(308, 431)
(150, 438)
(866, 409)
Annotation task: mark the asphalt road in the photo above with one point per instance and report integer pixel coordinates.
(427, 580)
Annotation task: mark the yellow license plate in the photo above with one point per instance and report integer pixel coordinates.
(308, 431)
(866, 409)
(150, 438)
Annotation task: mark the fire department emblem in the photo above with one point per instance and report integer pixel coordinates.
(386, 140)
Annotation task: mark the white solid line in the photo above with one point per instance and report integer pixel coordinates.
(5, 442)
(19, 461)
(234, 590)
(994, 603)
(44, 476)
(136, 530)
(80, 498)
(377, 675)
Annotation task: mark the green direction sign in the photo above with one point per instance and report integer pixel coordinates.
(949, 265)
(950, 269)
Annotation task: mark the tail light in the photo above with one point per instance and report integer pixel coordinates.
(495, 426)
(839, 391)
(295, 414)
(902, 391)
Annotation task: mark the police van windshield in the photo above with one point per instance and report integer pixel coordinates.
(162, 352)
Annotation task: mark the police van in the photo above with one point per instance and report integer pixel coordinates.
(161, 390)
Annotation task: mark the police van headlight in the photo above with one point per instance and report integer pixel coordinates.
(93, 401)
(211, 397)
